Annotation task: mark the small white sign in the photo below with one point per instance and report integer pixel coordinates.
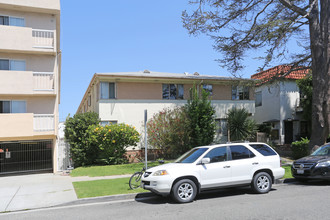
(8, 155)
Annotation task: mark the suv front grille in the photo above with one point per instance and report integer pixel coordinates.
(299, 165)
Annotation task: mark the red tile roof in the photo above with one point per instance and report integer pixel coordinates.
(280, 72)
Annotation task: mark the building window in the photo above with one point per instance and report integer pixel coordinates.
(12, 21)
(18, 65)
(104, 123)
(13, 106)
(208, 88)
(258, 99)
(107, 90)
(240, 93)
(173, 91)
(89, 100)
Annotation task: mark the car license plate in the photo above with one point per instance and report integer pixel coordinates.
(300, 171)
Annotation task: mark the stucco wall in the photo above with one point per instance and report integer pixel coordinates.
(132, 111)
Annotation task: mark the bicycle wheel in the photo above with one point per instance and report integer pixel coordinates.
(135, 180)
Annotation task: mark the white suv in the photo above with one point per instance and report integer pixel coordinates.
(209, 167)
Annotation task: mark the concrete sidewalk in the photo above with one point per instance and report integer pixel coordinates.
(39, 190)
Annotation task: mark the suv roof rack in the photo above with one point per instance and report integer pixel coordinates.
(243, 141)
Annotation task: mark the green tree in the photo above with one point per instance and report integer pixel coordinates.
(168, 131)
(240, 125)
(200, 114)
(266, 27)
(306, 87)
(82, 153)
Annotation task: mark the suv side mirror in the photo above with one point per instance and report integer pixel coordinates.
(205, 160)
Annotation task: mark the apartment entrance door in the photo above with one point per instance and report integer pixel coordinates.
(26, 156)
(288, 132)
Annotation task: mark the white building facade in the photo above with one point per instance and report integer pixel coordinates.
(277, 103)
(123, 97)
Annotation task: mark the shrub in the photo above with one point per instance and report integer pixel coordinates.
(82, 153)
(300, 148)
(241, 127)
(112, 141)
(168, 131)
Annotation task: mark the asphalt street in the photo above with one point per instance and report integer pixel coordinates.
(285, 201)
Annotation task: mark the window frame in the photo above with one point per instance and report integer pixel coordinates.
(251, 154)
(210, 91)
(10, 23)
(108, 122)
(108, 97)
(177, 95)
(245, 91)
(11, 62)
(262, 152)
(227, 158)
(89, 100)
(11, 106)
(258, 101)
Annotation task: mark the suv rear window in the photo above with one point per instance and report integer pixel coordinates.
(263, 149)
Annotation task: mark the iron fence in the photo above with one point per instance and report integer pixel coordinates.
(25, 156)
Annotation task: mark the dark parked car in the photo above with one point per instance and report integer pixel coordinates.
(315, 166)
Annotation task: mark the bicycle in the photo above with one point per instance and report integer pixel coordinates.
(135, 180)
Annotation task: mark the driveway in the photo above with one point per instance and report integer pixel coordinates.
(39, 190)
(35, 191)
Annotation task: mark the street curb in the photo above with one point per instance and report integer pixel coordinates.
(109, 198)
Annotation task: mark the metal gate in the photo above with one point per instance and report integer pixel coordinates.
(25, 156)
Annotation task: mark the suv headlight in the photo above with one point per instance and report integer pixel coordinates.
(160, 173)
(323, 164)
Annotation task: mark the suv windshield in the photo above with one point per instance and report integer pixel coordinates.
(191, 156)
(322, 151)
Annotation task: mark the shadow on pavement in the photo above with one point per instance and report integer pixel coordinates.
(307, 182)
(211, 194)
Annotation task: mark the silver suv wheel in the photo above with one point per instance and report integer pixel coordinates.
(184, 191)
(261, 183)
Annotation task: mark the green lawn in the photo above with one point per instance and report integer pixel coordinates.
(109, 170)
(85, 189)
(287, 172)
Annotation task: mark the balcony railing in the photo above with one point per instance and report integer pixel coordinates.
(43, 81)
(43, 122)
(43, 38)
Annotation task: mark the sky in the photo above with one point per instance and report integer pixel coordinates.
(128, 36)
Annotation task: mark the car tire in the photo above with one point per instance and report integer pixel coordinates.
(184, 191)
(261, 183)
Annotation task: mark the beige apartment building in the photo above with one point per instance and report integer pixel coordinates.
(123, 97)
(30, 70)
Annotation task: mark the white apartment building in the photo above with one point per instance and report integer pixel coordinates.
(122, 97)
(30, 70)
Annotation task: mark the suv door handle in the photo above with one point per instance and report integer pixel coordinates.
(255, 163)
(226, 167)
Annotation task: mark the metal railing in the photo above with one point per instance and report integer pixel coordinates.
(43, 81)
(43, 38)
(43, 122)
